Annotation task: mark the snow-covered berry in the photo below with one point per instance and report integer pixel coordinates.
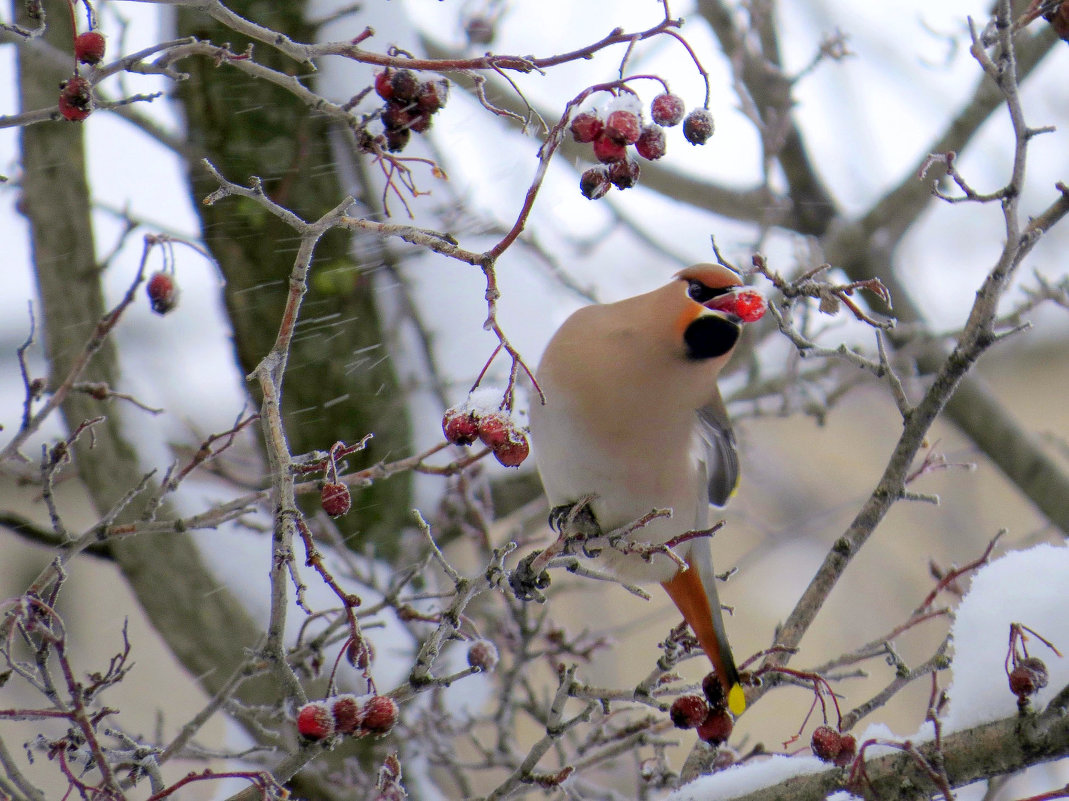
(594, 183)
(623, 126)
(89, 47)
(667, 109)
(335, 499)
(586, 127)
(607, 150)
(688, 711)
(624, 173)
(651, 143)
(698, 126)
(460, 426)
(432, 95)
(315, 721)
(348, 712)
(514, 451)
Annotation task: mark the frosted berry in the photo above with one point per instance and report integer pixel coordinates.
(515, 451)
(347, 711)
(360, 653)
(335, 499)
(594, 183)
(698, 126)
(826, 743)
(624, 173)
(623, 126)
(396, 139)
(405, 86)
(586, 127)
(315, 721)
(380, 715)
(847, 751)
(714, 691)
(688, 711)
(89, 47)
(650, 144)
(162, 292)
(1028, 677)
(459, 426)
(717, 726)
(420, 122)
(384, 84)
(494, 429)
(607, 150)
(667, 109)
(749, 306)
(395, 116)
(432, 95)
(482, 654)
(76, 100)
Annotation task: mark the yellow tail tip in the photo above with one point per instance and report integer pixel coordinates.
(736, 699)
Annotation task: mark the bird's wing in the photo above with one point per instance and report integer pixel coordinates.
(719, 455)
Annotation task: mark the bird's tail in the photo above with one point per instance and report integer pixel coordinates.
(694, 592)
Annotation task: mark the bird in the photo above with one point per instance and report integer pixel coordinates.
(630, 418)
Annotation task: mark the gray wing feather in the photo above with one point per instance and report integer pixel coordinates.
(719, 453)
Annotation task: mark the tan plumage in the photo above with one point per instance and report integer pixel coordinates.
(633, 415)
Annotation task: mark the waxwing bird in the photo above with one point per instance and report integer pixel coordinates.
(633, 417)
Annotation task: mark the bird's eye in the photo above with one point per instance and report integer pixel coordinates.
(698, 291)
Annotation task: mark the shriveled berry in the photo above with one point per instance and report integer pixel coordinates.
(76, 100)
(607, 150)
(586, 127)
(482, 654)
(405, 85)
(749, 305)
(717, 726)
(396, 116)
(595, 182)
(432, 95)
(460, 426)
(315, 721)
(847, 751)
(1028, 677)
(714, 691)
(698, 126)
(623, 126)
(397, 139)
(420, 122)
(826, 743)
(162, 292)
(624, 173)
(384, 84)
(688, 711)
(651, 144)
(360, 653)
(348, 712)
(380, 715)
(667, 109)
(335, 499)
(89, 47)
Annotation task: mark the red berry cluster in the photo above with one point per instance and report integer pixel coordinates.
(497, 430)
(161, 289)
(624, 126)
(708, 713)
(357, 716)
(830, 746)
(409, 106)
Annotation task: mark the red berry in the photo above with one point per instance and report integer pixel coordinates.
(162, 293)
(483, 654)
(420, 122)
(335, 499)
(347, 710)
(847, 751)
(698, 126)
(586, 127)
(688, 711)
(716, 728)
(623, 127)
(380, 715)
(826, 743)
(405, 85)
(384, 84)
(667, 109)
(749, 306)
(432, 95)
(89, 47)
(76, 100)
(494, 429)
(360, 653)
(459, 426)
(396, 116)
(624, 173)
(594, 183)
(514, 452)
(315, 721)
(650, 144)
(396, 139)
(1028, 677)
(607, 151)
(714, 691)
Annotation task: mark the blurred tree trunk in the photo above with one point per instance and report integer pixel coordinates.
(340, 382)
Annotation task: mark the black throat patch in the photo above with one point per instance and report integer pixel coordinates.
(710, 336)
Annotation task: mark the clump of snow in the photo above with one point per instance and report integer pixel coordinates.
(483, 401)
(742, 779)
(1027, 587)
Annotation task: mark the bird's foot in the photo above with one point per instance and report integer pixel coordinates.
(575, 519)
